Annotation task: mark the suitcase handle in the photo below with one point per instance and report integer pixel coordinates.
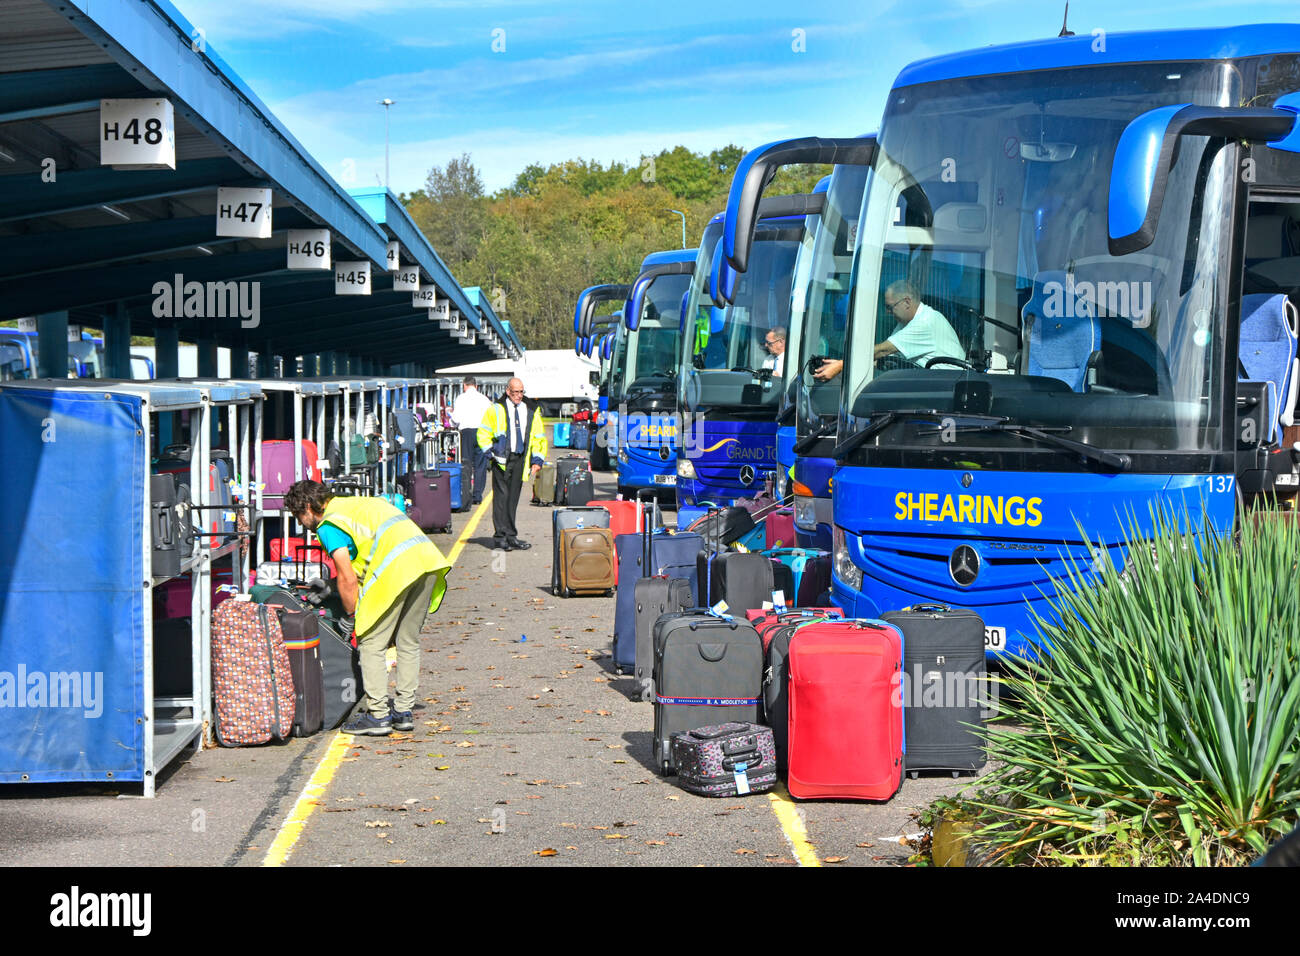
(920, 608)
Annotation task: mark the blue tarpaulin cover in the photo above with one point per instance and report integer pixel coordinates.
(72, 586)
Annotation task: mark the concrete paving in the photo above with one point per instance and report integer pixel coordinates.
(528, 750)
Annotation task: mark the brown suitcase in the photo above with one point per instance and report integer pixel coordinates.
(587, 564)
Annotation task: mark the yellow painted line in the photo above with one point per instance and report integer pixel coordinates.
(292, 828)
(311, 794)
(459, 546)
(791, 820)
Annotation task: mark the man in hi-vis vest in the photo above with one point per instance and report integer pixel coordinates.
(389, 575)
(513, 435)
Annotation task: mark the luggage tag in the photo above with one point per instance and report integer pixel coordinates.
(742, 779)
(720, 609)
(778, 602)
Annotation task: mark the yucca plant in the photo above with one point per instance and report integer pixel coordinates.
(1162, 723)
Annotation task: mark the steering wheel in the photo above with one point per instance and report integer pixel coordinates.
(948, 360)
(894, 361)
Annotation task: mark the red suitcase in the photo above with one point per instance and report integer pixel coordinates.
(624, 518)
(779, 528)
(845, 711)
(301, 552)
(768, 622)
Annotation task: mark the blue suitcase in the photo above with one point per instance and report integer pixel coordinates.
(453, 472)
(579, 437)
(672, 555)
(560, 437)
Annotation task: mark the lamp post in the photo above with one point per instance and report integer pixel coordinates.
(385, 103)
(683, 215)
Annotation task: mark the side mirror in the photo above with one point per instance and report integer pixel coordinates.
(717, 320)
(681, 315)
(1145, 155)
(722, 280)
(757, 169)
(636, 303)
(585, 311)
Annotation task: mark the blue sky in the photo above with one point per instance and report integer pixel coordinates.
(610, 80)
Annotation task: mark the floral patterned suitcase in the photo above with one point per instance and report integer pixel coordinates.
(251, 678)
(726, 760)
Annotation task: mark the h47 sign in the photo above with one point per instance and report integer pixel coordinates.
(244, 213)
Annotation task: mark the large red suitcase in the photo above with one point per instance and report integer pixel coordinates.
(845, 711)
(624, 518)
(301, 552)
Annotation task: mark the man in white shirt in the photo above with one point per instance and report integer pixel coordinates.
(922, 334)
(774, 342)
(467, 414)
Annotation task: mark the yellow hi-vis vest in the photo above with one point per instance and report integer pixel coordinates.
(392, 553)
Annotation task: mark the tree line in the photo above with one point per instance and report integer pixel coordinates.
(560, 228)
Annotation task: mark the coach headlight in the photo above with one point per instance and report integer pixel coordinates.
(845, 569)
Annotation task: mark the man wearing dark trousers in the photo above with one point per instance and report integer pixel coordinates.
(467, 413)
(513, 436)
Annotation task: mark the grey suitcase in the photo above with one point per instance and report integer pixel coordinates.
(708, 670)
(563, 519)
(943, 687)
(653, 598)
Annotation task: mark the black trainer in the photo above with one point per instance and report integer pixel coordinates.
(403, 720)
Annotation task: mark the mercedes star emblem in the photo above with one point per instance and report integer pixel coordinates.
(966, 479)
(964, 566)
(746, 475)
(664, 452)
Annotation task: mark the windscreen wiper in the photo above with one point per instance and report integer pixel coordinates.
(803, 444)
(1116, 460)
(885, 419)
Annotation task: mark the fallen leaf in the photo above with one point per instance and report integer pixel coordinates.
(225, 779)
(396, 861)
(673, 834)
(742, 852)
(443, 767)
(378, 823)
(615, 836)
(547, 852)
(674, 797)
(571, 826)
(866, 845)
(833, 859)
(654, 842)
(598, 828)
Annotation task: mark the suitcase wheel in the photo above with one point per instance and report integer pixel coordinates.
(914, 774)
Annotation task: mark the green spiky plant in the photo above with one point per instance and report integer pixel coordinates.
(1163, 726)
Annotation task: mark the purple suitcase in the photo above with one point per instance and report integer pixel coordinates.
(430, 494)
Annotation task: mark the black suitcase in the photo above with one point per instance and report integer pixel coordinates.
(466, 485)
(721, 527)
(943, 687)
(563, 518)
(725, 760)
(708, 670)
(579, 488)
(655, 597)
(563, 468)
(430, 494)
(165, 526)
(579, 436)
(340, 666)
(301, 630)
(744, 581)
